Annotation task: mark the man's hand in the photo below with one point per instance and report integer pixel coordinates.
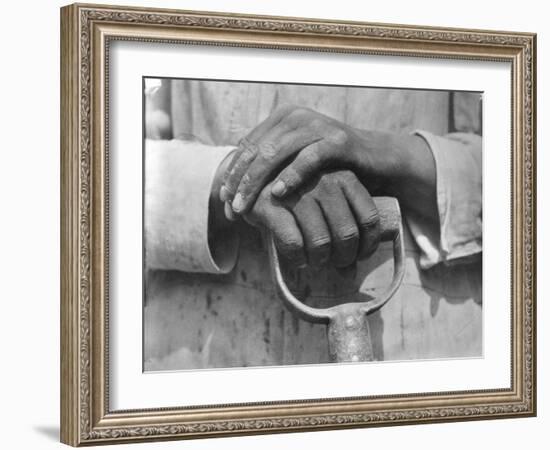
(311, 140)
(332, 217)
(297, 143)
(288, 132)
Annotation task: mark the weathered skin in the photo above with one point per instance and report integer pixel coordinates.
(384, 163)
(387, 163)
(332, 219)
(348, 332)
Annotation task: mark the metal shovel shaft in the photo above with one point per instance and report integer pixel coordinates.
(348, 335)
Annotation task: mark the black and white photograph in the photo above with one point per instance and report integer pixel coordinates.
(281, 224)
(293, 224)
(266, 225)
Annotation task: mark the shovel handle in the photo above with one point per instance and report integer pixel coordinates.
(391, 230)
(347, 325)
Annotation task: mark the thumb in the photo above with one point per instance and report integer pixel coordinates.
(307, 164)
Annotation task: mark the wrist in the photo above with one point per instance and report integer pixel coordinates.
(383, 161)
(395, 164)
(401, 166)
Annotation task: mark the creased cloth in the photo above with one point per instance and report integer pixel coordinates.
(458, 239)
(178, 182)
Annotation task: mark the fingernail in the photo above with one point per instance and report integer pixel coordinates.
(224, 194)
(238, 203)
(228, 212)
(278, 188)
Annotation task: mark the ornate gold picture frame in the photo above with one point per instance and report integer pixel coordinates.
(87, 31)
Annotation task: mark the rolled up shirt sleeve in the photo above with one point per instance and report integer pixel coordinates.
(458, 239)
(178, 182)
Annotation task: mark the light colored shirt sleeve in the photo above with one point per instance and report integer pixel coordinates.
(178, 182)
(458, 161)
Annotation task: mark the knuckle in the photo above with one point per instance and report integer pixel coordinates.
(346, 176)
(317, 123)
(327, 183)
(370, 222)
(339, 137)
(246, 179)
(297, 112)
(246, 186)
(247, 147)
(310, 158)
(347, 234)
(248, 153)
(267, 152)
(235, 174)
(321, 243)
(229, 187)
(232, 179)
(289, 245)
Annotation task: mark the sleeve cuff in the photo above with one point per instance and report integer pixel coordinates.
(177, 186)
(459, 202)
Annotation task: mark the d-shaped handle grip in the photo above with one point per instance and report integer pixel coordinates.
(348, 334)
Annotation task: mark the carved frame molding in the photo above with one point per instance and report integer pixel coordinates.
(86, 31)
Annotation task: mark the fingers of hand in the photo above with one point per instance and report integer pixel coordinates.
(255, 175)
(279, 221)
(245, 154)
(345, 245)
(228, 211)
(365, 212)
(273, 150)
(307, 164)
(288, 238)
(316, 234)
(247, 151)
(343, 227)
